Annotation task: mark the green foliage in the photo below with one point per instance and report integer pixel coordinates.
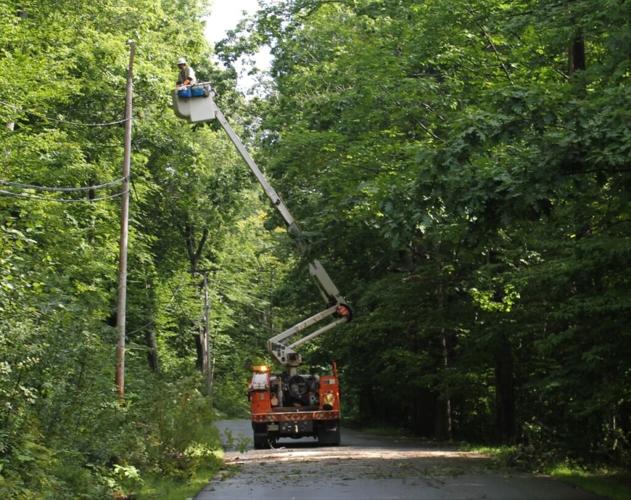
(63, 432)
(180, 437)
(605, 483)
(466, 184)
(469, 185)
(168, 488)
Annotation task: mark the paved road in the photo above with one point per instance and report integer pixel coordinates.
(368, 468)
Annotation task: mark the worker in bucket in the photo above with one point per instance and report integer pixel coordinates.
(186, 76)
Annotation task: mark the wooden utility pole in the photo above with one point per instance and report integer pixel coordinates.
(121, 313)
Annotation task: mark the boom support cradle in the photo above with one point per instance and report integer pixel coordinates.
(204, 108)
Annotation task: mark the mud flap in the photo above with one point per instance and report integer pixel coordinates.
(329, 433)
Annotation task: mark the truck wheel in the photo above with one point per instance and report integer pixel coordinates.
(261, 441)
(330, 435)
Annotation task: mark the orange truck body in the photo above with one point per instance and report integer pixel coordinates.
(271, 421)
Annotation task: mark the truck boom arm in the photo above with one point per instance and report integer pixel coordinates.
(267, 187)
(203, 108)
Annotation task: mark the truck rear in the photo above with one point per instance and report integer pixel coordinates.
(294, 406)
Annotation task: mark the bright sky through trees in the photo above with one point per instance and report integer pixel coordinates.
(225, 14)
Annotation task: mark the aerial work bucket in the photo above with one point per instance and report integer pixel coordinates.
(195, 103)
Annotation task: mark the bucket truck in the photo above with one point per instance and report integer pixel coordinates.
(287, 404)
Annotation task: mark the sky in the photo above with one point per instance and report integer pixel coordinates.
(225, 15)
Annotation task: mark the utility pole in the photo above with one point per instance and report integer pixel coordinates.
(121, 312)
(207, 364)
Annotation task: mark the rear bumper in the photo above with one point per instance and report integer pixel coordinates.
(295, 416)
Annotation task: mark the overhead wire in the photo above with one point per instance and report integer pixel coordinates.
(26, 196)
(66, 122)
(222, 288)
(82, 124)
(61, 189)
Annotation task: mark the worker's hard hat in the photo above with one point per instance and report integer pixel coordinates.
(181, 60)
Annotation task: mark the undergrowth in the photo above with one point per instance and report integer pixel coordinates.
(609, 482)
(111, 450)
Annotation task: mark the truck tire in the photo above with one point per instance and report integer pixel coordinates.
(261, 441)
(329, 434)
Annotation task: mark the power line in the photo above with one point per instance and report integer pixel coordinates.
(59, 200)
(66, 122)
(82, 124)
(216, 285)
(61, 189)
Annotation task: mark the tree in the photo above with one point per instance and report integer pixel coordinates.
(472, 184)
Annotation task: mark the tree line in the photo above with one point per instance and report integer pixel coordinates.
(465, 168)
(63, 431)
(462, 168)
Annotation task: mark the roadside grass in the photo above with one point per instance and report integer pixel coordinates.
(170, 488)
(607, 483)
(501, 455)
(604, 482)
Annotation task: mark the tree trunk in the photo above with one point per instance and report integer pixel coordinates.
(199, 362)
(443, 403)
(504, 391)
(424, 413)
(446, 396)
(205, 338)
(194, 251)
(152, 353)
(577, 53)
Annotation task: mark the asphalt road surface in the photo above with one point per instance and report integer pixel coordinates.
(367, 467)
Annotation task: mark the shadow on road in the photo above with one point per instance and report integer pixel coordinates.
(368, 467)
